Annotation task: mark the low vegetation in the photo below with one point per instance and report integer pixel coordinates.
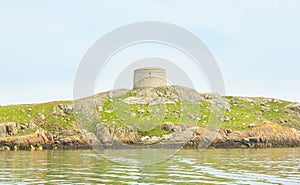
(239, 113)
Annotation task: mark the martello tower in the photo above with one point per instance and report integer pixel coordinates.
(149, 77)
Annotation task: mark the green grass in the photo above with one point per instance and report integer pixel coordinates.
(243, 112)
(156, 131)
(116, 111)
(40, 114)
(26, 132)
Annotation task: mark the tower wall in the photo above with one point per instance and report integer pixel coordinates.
(149, 77)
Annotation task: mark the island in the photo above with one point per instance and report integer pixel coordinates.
(151, 114)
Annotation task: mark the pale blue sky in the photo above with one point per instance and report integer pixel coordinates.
(256, 42)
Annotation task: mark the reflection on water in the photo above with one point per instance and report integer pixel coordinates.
(221, 166)
(141, 157)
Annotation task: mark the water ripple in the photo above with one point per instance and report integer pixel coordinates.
(269, 166)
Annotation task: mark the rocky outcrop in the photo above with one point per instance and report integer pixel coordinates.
(42, 139)
(8, 129)
(27, 142)
(164, 95)
(295, 107)
(267, 135)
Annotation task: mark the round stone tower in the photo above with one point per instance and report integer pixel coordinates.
(149, 77)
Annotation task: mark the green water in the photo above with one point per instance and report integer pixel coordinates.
(221, 166)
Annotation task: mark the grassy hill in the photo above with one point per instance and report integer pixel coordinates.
(152, 106)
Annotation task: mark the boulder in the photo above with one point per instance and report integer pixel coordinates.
(91, 138)
(137, 100)
(228, 131)
(117, 93)
(4, 148)
(141, 111)
(180, 128)
(251, 125)
(2, 130)
(188, 94)
(103, 134)
(226, 118)
(154, 139)
(295, 107)
(67, 109)
(168, 126)
(8, 129)
(145, 138)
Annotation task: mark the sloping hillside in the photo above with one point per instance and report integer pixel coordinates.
(132, 115)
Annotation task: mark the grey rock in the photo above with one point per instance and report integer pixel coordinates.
(32, 126)
(141, 111)
(167, 137)
(66, 133)
(283, 121)
(109, 111)
(136, 100)
(32, 148)
(157, 101)
(99, 108)
(226, 118)
(168, 126)
(67, 109)
(266, 109)
(251, 125)
(23, 127)
(42, 117)
(103, 133)
(180, 128)
(294, 107)
(195, 117)
(154, 139)
(145, 138)
(188, 94)
(228, 131)
(149, 111)
(246, 140)
(3, 132)
(91, 138)
(4, 148)
(8, 129)
(176, 114)
(117, 93)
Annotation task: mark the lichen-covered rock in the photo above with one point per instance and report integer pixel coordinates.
(91, 138)
(67, 109)
(3, 132)
(267, 135)
(295, 107)
(8, 129)
(168, 126)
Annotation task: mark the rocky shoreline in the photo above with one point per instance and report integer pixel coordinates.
(269, 135)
